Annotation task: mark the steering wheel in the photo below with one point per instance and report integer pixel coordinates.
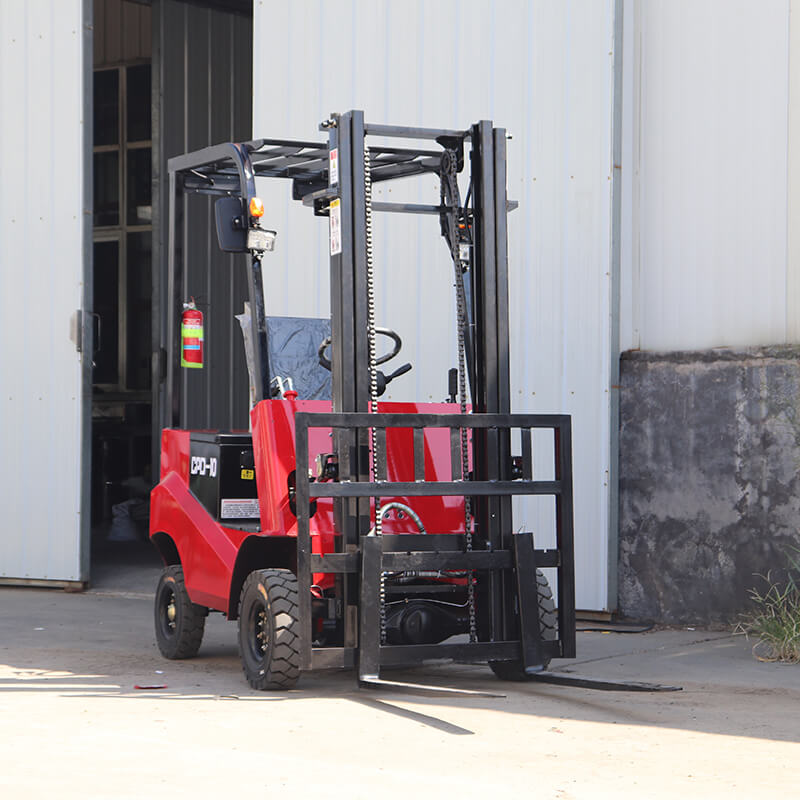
(393, 335)
(382, 380)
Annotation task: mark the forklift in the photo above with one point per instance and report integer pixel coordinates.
(358, 533)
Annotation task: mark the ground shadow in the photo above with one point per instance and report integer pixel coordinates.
(103, 646)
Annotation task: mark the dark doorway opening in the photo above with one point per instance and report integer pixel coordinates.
(122, 463)
(161, 69)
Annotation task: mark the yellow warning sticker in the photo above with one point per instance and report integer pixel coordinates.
(335, 226)
(248, 474)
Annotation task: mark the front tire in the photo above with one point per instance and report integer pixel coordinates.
(179, 622)
(548, 619)
(269, 629)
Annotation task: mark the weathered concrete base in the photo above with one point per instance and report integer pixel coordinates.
(709, 479)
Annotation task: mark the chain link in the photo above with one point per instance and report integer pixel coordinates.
(373, 369)
(449, 166)
(451, 197)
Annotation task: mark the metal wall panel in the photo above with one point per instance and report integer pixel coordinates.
(203, 97)
(707, 190)
(545, 72)
(122, 32)
(45, 202)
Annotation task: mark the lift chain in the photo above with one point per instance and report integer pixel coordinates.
(373, 368)
(457, 216)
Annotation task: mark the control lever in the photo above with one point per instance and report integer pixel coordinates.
(385, 380)
(452, 385)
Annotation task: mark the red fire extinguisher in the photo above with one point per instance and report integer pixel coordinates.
(191, 336)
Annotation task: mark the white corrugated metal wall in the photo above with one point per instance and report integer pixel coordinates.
(42, 240)
(542, 70)
(705, 224)
(712, 99)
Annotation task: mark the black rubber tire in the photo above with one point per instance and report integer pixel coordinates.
(269, 629)
(179, 622)
(548, 619)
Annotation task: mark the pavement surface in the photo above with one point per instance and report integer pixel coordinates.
(74, 725)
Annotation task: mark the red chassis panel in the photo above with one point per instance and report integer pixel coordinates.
(208, 550)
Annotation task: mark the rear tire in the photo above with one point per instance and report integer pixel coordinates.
(269, 629)
(514, 670)
(179, 622)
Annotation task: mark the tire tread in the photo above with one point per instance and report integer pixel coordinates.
(283, 668)
(191, 619)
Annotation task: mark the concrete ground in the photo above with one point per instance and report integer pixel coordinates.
(74, 725)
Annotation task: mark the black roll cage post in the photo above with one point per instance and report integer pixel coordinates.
(504, 562)
(222, 170)
(181, 170)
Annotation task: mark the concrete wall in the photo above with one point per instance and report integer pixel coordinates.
(710, 259)
(709, 481)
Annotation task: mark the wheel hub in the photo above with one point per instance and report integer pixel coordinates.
(171, 611)
(262, 636)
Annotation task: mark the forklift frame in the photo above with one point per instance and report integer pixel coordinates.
(504, 562)
(511, 625)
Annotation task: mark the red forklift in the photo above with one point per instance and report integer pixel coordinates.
(352, 532)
